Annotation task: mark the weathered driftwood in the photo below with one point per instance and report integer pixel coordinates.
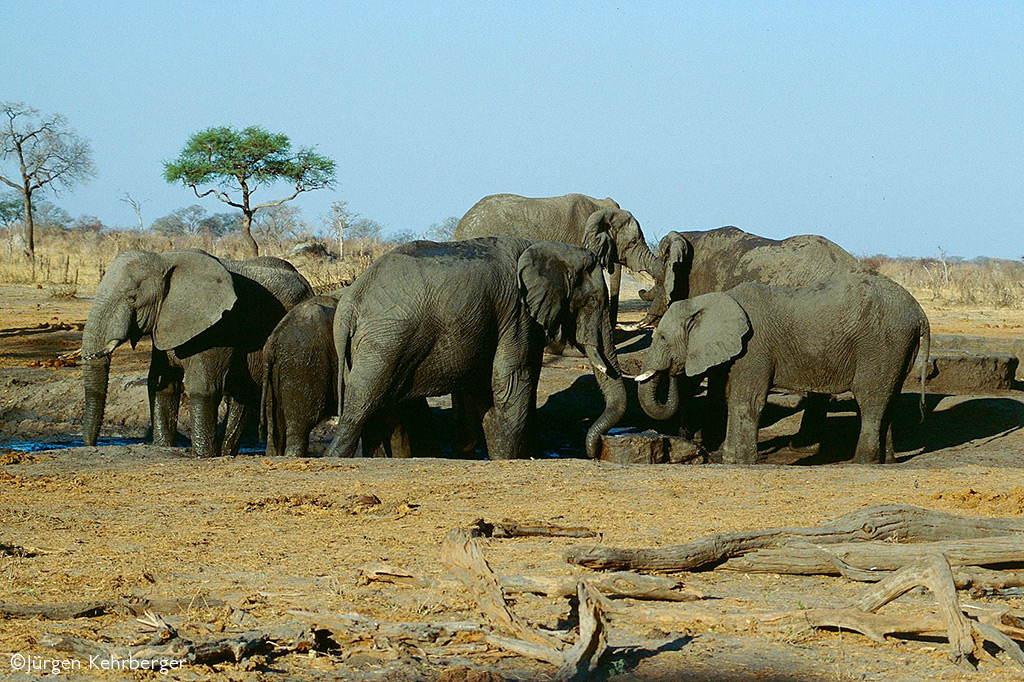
(874, 557)
(462, 554)
(132, 607)
(966, 635)
(516, 529)
(353, 628)
(899, 523)
(234, 648)
(620, 584)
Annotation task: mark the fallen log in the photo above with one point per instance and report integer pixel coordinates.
(893, 523)
(619, 584)
(516, 529)
(131, 607)
(157, 657)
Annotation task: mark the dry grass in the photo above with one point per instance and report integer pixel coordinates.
(981, 282)
(69, 263)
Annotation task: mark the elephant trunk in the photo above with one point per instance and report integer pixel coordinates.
(640, 259)
(95, 375)
(97, 345)
(647, 392)
(611, 385)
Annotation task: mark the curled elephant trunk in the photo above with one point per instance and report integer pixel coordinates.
(612, 388)
(647, 392)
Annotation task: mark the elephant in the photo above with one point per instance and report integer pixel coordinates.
(300, 369)
(208, 319)
(702, 262)
(471, 317)
(858, 333)
(600, 225)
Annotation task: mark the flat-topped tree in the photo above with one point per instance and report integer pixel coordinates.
(240, 161)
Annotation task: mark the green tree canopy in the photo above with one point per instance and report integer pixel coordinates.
(238, 162)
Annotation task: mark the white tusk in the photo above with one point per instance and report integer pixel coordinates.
(635, 326)
(601, 368)
(644, 377)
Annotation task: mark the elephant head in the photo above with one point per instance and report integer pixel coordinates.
(172, 296)
(671, 281)
(615, 236)
(563, 289)
(693, 336)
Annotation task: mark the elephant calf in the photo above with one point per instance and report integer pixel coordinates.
(300, 389)
(860, 333)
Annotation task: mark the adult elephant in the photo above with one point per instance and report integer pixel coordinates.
(600, 225)
(208, 319)
(856, 333)
(300, 384)
(471, 317)
(701, 262)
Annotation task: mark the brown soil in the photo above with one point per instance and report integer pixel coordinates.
(272, 535)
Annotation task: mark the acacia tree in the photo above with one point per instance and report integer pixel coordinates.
(49, 155)
(241, 162)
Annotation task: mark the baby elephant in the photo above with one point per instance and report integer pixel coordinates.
(857, 333)
(300, 386)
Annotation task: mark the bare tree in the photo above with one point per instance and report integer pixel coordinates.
(136, 206)
(49, 155)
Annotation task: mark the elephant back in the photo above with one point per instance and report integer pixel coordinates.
(728, 256)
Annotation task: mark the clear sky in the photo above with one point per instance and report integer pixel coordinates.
(889, 127)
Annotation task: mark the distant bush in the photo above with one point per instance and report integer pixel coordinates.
(950, 280)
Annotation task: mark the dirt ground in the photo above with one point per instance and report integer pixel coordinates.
(266, 536)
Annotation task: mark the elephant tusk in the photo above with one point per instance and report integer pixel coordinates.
(101, 353)
(640, 378)
(601, 368)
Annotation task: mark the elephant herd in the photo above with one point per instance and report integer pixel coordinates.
(472, 317)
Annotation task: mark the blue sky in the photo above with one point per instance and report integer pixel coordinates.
(891, 128)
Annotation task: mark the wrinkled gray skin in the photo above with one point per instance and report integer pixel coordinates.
(702, 262)
(428, 319)
(208, 319)
(300, 389)
(596, 224)
(856, 333)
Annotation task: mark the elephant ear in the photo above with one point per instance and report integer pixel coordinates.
(676, 254)
(597, 237)
(715, 334)
(197, 292)
(545, 279)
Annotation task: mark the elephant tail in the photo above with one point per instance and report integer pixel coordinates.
(925, 347)
(344, 327)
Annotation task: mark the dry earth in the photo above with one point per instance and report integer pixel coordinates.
(267, 536)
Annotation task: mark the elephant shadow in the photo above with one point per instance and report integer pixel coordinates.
(967, 419)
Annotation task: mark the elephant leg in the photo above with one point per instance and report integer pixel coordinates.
(468, 409)
(203, 409)
(365, 394)
(714, 422)
(164, 386)
(745, 405)
(614, 284)
(375, 436)
(872, 442)
(239, 414)
(417, 424)
(506, 423)
(812, 425)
